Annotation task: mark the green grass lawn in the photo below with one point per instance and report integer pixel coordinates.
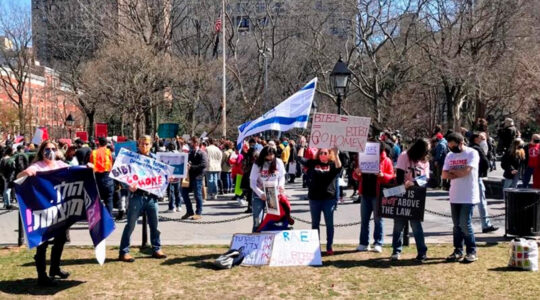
(188, 272)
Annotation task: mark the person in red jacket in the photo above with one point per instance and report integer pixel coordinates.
(532, 154)
(369, 189)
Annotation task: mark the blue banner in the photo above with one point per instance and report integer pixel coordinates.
(130, 145)
(52, 201)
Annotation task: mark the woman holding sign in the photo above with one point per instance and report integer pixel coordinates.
(45, 160)
(267, 177)
(412, 164)
(323, 172)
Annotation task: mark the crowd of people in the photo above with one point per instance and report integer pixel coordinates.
(455, 161)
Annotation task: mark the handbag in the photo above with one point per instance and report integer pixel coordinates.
(185, 182)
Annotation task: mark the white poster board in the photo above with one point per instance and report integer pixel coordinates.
(176, 160)
(145, 172)
(257, 247)
(368, 161)
(296, 248)
(348, 133)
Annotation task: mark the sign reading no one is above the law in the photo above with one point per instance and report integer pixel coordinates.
(348, 133)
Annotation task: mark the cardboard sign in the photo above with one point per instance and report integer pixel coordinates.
(345, 132)
(410, 205)
(83, 135)
(368, 161)
(131, 146)
(272, 201)
(176, 160)
(168, 130)
(145, 172)
(40, 135)
(257, 247)
(279, 248)
(101, 130)
(296, 248)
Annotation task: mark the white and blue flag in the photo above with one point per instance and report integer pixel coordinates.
(291, 113)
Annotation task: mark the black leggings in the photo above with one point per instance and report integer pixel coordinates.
(56, 253)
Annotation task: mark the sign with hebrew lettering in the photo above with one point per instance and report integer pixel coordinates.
(257, 247)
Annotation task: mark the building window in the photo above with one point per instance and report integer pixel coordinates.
(242, 23)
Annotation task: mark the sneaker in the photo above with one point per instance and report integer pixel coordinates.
(363, 248)
(421, 258)
(248, 211)
(454, 257)
(178, 209)
(169, 211)
(126, 258)
(329, 252)
(395, 256)
(471, 257)
(195, 217)
(377, 248)
(490, 229)
(242, 202)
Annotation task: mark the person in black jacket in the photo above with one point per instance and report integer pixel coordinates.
(198, 162)
(511, 163)
(475, 140)
(7, 172)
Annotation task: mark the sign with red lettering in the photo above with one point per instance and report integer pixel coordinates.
(83, 135)
(348, 133)
(142, 171)
(101, 130)
(410, 205)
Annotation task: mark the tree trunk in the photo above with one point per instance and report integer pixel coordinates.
(90, 126)
(22, 123)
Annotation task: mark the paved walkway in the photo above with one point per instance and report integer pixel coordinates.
(438, 228)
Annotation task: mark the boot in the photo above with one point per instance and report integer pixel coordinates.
(56, 254)
(120, 215)
(43, 279)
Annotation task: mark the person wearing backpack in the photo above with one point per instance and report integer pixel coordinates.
(7, 168)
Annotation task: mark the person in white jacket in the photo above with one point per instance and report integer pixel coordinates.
(267, 172)
(214, 168)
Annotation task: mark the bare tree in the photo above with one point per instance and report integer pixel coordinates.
(15, 57)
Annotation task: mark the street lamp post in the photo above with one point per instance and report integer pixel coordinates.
(69, 123)
(339, 79)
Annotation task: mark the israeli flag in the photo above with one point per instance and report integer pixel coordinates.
(291, 113)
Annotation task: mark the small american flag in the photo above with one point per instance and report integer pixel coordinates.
(217, 25)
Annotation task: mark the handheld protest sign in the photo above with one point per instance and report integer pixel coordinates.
(272, 201)
(177, 160)
(368, 161)
(145, 172)
(347, 133)
(410, 205)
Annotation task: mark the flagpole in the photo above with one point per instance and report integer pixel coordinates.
(224, 97)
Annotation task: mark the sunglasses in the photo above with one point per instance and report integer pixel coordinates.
(49, 149)
(323, 153)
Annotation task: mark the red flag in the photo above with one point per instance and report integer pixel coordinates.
(217, 25)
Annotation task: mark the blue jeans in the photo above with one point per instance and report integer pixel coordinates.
(139, 204)
(6, 193)
(257, 208)
(327, 207)
(226, 181)
(173, 193)
(213, 178)
(527, 174)
(106, 189)
(511, 183)
(367, 206)
(482, 206)
(463, 230)
(195, 186)
(418, 231)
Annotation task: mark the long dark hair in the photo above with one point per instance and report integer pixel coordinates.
(262, 158)
(419, 150)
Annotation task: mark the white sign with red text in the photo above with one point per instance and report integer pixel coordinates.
(347, 133)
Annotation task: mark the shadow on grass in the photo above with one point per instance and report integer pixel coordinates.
(67, 262)
(381, 263)
(28, 286)
(507, 269)
(199, 259)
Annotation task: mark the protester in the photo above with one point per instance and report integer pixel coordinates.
(226, 168)
(410, 165)
(477, 144)
(461, 168)
(198, 163)
(45, 160)
(214, 168)
(267, 171)
(141, 202)
(83, 152)
(323, 171)
(440, 151)
(511, 162)
(368, 189)
(292, 167)
(507, 134)
(7, 171)
(237, 173)
(285, 150)
(70, 157)
(102, 161)
(247, 164)
(173, 190)
(532, 162)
